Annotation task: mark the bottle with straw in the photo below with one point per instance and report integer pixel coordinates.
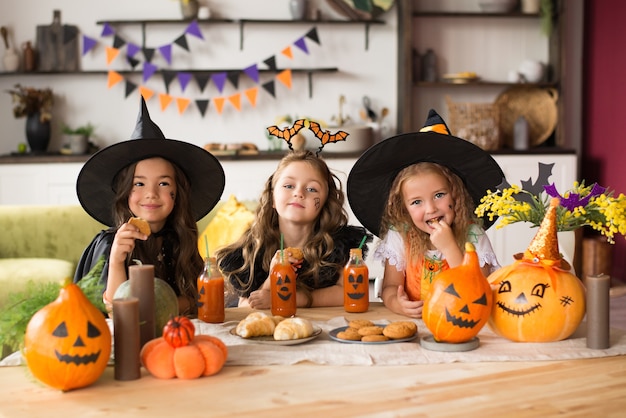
(283, 286)
(356, 282)
(210, 291)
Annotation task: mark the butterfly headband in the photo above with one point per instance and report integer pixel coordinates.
(324, 136)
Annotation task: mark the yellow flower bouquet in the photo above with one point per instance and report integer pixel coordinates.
(594, 206)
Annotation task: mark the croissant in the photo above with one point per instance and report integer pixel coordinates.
(256, 324)
(293, 329)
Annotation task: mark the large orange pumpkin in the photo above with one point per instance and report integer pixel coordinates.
(459, 301)
(67, 342)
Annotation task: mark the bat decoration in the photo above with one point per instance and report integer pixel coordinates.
(325, 136)
(287, 133)
(545, 171)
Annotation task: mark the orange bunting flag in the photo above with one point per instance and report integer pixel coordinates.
(235, 100)
(287, 52)
(251, 95)
(165, 100)
(219, 104)
(146, 93)
(114, 78)
(112, 53)
(285, 77)
(182, 104)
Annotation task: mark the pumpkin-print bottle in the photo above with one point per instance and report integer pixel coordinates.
(283, 288)
(356, 295)
(211, 293)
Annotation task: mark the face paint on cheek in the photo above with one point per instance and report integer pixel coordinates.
(317, 203)
(173, 196)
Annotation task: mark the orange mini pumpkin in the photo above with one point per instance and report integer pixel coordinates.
(67, 342)
(179, 331)
(459, 301)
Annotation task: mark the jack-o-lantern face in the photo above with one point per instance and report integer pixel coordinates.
(459, 301)
(533, 305)
(67, 343)
(357, 286)
(284, 287)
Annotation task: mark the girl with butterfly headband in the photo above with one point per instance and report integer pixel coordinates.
(304, 201)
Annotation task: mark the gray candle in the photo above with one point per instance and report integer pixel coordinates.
(126, 345)
(598, 299)
(141, 279)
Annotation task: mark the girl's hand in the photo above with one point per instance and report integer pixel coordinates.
(124, 243)
(260, 299)
(409, 308)
(442, 235)
(295, 263)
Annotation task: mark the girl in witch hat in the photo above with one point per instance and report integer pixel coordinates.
(417, 192)
(171, 184)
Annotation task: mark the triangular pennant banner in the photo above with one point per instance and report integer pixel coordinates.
(194, 29)
(148, 70)
(181, 41)
(132, 49)
(168, 76)
(130, 87)
(166, 51)
(184, 79)
(251, 95)
(148, 53)
(165, 100)
(133, 62)
(235, 100)
(285, 77)
(312, 35)
(118, 42)
(88, 44)
(270, 88)
(219, 79)
(146, 93)
(271, 63)
(233, 77)
(252, 72)
(107, 30)
(111, 54)
(182, 104)
(300, 43)
(287, 52)
(219, 103)
(202, 106)
(202, 79)
(113, 78)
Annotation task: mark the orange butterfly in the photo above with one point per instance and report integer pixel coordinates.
(325, 136)
(286, 133)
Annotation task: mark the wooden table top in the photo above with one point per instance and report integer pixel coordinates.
(587, 387)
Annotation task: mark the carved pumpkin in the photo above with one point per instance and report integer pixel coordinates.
(536, 299)
(459, 302)
(179, 331)
(67, 342)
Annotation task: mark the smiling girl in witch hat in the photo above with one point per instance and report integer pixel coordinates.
(417, 192)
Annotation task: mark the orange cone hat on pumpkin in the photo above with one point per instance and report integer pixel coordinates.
(545, 244)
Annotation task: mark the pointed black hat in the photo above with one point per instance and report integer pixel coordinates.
(94, 185)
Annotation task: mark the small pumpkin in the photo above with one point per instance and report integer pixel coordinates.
(459, 301)
(179, 331)
(67, 342)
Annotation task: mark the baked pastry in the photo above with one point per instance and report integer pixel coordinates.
(293, 329)
(141, 224)
(360, 323)
(350, 334)
(371, 330)
(374, 338)
(256, 324)
(400, 329)
(295, 252)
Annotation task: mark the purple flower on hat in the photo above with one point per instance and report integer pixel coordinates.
(573, 200)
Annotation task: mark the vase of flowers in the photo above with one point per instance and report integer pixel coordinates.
(36, 106)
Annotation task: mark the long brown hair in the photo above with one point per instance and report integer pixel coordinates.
(397, 217)
(264, 235)
(187, 262)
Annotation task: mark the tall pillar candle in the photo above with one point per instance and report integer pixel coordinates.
(126, 346)
(141, 279)
(598, 322)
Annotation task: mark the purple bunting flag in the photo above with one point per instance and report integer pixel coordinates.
(107, 30)
(88, 44)
(252, 72)
(300, 43)
(184, 79)
(219, 79)
(194, 29)
(132, 49)
(148, 70)
(166, 51)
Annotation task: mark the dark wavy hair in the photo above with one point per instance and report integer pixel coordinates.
(397, 217)
(263, 236)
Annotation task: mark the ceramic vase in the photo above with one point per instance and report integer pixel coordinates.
(37, 133)
(189, 9)
(298, 9)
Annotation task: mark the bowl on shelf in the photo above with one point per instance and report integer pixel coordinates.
(497, 6)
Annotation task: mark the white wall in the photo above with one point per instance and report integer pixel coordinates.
(86, 98)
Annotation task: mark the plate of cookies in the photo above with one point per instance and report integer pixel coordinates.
(261, 328)
(363, 331)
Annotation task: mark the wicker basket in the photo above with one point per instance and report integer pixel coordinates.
(478, 123)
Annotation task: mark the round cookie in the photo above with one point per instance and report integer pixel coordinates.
(374, 338)
(400, 329)
(141, 224)
(350, 334)
(295, 252)
(371, 330)
(360, 323)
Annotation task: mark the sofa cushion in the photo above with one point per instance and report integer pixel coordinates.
(16, 272)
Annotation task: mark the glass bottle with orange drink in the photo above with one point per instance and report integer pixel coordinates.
(283, 288)
(211, 293)
(356, 283)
